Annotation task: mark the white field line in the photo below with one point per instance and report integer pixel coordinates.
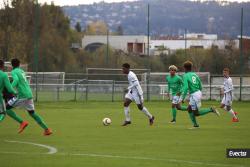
(53, 150)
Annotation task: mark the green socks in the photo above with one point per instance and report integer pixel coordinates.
(13, 115)
(39, 120)
(174, 113)
(184, 108)
(35, 116)
(204, 111)
(192, 117)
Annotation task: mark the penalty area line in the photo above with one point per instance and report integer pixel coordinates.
(52, 150)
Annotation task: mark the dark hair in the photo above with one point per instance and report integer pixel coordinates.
(1, 63)
(126, 65)
(188, 65)
(226, 69)
(15, 63)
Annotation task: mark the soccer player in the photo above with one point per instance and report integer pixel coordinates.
(4, 84)
(134, 93)
(24, 99)
(227, 93)
(193, 85)
(175, 84)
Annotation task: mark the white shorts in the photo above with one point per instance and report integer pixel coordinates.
(134, 96)
(176, 99)
(28, 104)
(195, 100)
(227, 99)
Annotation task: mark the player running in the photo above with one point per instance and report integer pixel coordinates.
(227, 93)
(134, 93)
(24, 99)
(192, 84)
(175, 84)
(4, 84)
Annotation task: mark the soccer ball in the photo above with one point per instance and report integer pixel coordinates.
(106, 121)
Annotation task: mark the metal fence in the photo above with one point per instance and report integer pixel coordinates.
(98, 87)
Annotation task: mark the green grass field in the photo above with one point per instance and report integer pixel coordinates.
(82, 140)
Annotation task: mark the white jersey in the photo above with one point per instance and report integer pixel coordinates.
(228, 92)
(228, 85)
(134, 84)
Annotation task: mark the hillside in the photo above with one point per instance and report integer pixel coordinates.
(168, 17)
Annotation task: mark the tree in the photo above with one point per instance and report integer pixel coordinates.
(17, 26)
(78, 27)
(96, 28)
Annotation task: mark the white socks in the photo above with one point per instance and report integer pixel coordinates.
(127, 115)
(146, 112)
(230, 111)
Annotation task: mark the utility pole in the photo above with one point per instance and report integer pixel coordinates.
(241, 54)
(107, 49)
(36, 45)
(185, 38)
(148, 55)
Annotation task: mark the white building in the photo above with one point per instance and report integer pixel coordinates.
(134, 43)
(180, 44)
(138, 44)
(202, 36)
(173, 45)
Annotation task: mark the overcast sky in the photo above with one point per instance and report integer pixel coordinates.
(76, 2)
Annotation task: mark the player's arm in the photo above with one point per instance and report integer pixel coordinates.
(8, 86)
(184, 88)
(181, 86)
(134, 84)
(168, 91)
(15, 80)
(230, 86)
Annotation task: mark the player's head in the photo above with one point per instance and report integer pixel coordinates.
(226, 72)
(125, 68)
(172, 69)
(1, 64)
(188, 66)
(15, 63)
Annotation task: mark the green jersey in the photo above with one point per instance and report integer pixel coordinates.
(175, 84)
(192, 83)
(21, 83)
(5, 83)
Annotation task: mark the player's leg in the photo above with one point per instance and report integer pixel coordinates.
(192, 116)
(14, 102)
(173, 108)
(179, 106)
(174, 113)
(2, 111)
(202, 111)
(128, 99)
(127, 109)
(139, 102)
(146, 112)
(194, 104)
(226, 104)
(29, 106)
(13, 115)
(229, 109)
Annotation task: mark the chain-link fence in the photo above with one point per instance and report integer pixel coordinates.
(87, 87)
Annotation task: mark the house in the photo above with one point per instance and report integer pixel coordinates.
(128, 43)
